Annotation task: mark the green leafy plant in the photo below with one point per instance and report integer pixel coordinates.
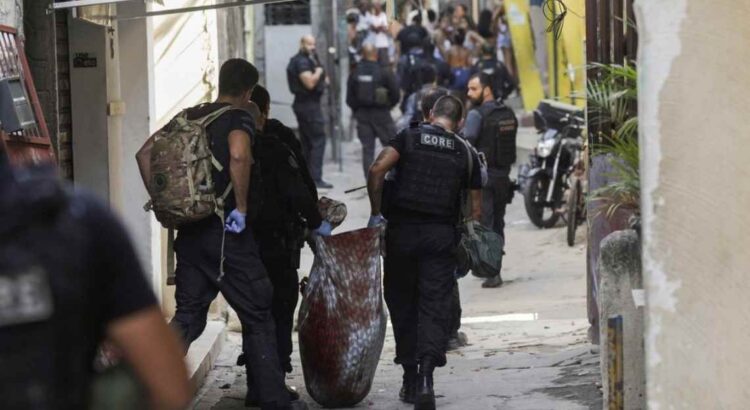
(612, 104)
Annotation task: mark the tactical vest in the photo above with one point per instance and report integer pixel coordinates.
(431, 172)
(44, 360)
(497, 139)
(369, 83)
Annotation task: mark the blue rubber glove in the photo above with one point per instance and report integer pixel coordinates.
(235, 222)
(376, 220)
(324, 229)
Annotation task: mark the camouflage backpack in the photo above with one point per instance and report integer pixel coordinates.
(182, 186)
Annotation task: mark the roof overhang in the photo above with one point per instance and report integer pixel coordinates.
(72, 4)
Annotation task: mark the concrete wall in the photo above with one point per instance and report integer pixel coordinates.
(186, 59)
(11, 13)
(694, 84)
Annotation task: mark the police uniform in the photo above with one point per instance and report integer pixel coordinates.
(67, 271)
(421, 237)
(492, 128)
(289, 206)
(245, 283)
(503, 84)
(306, 106)
(371, 93)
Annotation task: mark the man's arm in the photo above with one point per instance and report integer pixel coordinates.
(143, 158)
(310, 79)
(376, 177)
(155, 354)
(240, 160)
(351, 99)
(473, 126)
(393, 91)
(476, 204)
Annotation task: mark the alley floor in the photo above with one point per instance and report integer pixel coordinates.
(527, 340)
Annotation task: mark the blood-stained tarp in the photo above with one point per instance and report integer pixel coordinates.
(342, 318)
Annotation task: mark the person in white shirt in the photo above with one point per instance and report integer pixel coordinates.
(377, 23)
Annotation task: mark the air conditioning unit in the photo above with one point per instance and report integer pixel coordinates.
(16, 113)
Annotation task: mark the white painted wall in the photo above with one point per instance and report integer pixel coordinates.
(282, 43)
(136, 77)
(694, 83)
(186, 59)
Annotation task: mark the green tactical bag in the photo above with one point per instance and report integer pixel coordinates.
(480, 249)
(181, 186)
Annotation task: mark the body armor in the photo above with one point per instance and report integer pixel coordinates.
(497, 139)
(431, 172)
(370, 87)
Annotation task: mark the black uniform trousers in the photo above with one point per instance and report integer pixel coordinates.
(247, 289)
(419, 280)
(312, 135)
(373, 123)
(285, 297)
(495, 198)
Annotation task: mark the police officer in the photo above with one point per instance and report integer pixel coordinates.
(69, 278)
(204, 247)
(289, 207)
(432, 173)
(371, 93)
(492, 127)
(307, 80)
(413, 102)
(502, 82)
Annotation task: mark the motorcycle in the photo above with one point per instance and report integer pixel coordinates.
(546, 177)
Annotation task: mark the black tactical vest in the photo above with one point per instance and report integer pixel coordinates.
(497, 139)
(369, 82)
(44, 359)
(431, 173)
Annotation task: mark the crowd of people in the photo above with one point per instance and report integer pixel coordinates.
(450, 41)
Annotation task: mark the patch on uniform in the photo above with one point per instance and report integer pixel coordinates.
(489, 71)
(365, 78)
(438, 141)
(293, 162)
(507, 125)
(25, 297)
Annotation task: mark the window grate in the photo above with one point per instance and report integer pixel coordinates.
(284, 14)
(32, 144)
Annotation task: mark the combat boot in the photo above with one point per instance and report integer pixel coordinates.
(409, 386)
(425, 394)
(493, 282)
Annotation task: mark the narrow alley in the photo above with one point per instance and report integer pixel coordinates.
(527, 340)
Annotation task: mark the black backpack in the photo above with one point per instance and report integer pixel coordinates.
(411, 77)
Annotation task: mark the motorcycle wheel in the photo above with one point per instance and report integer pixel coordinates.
(533, 198)
(574, 199)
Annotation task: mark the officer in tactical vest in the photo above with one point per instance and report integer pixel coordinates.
(371, 93)
(69, 278)
(289, 209)
(434, 170)
(502, 82)
(307, 81)
(215, 256)
(492, 127)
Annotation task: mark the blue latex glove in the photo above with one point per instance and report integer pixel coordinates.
(376, 220)
(235, 222)
(324, 229)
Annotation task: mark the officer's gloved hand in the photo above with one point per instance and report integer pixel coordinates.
(235, 222)
(376, 220)
(324, 229)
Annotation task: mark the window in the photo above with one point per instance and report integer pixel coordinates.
(293, 12)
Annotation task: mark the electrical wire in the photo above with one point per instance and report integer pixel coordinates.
(555, 12)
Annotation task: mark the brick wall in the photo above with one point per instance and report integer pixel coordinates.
(46, 39)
